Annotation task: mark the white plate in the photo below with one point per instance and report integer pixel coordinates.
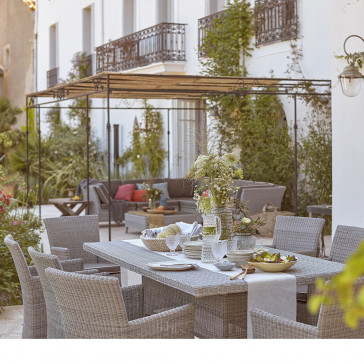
(170, 266)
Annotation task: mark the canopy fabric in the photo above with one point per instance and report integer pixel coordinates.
(145, 86)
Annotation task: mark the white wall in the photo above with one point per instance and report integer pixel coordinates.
(348, 120)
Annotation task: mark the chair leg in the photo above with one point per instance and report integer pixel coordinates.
(126, 229)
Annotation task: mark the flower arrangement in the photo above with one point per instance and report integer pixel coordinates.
(216, 174)
(244, 225)
(152, 193)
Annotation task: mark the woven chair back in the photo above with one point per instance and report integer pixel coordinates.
(92, 306)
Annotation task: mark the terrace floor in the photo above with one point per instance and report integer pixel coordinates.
(12, 317)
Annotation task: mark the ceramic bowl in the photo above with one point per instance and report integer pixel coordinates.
(273, 267)
(224, 266)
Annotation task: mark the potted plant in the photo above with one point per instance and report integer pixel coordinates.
(244, 228)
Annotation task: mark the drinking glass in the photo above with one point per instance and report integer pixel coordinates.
(172, 243)
(183, 238)
(219, 249)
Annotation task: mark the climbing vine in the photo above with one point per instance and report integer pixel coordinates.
(255, 124)
(145, 157)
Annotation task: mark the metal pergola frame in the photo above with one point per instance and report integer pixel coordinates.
(107, 85)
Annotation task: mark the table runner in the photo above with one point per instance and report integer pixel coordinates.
(271, 292)
(154, 220)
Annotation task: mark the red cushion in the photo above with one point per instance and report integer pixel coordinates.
(205, 194)
(125, 192)
(138, 196)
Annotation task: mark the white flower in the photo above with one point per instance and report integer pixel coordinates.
(246, 220)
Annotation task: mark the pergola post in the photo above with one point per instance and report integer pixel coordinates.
(295, 158)
(88, 157)
(39, 165)
(108, 151)
(27, 147)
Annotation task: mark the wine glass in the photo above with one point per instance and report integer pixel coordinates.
(172, 243)
(183, 238)
(219, 249)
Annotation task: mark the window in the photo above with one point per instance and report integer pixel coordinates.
(7, 57)
(164, 11)
(53, 46)
(128, 17)
(275, 21)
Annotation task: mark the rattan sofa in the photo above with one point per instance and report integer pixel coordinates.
(181, 191)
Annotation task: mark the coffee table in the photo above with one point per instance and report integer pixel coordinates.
(138, 220)
(68, 206)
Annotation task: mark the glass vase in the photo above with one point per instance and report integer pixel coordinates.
(226, 217)
(245, 241)
(151, 204)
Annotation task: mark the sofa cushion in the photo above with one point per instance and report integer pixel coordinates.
(102, 193)
(125, 192)
(139, 196)
(161, 186)
(180, 187)
(164, 188)
(114, 185)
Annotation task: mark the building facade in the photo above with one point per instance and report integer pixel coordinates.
(16, 53)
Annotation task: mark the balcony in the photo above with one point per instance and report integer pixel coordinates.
(275, 21)
(205, 25)
(164, 42)
(52, 77)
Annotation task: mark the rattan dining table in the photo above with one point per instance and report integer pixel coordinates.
(221, 303)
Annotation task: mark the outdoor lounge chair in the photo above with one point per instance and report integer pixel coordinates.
(42, 261)
(35, 318)
(94, 307)
(330, 325)
(67, 234)
(298, 234)
(346, 241)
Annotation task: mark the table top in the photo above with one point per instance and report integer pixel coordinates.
(143, 213)
(199, 281)
(65, 200)
(320, 209)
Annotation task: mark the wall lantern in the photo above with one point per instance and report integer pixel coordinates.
(351, 78)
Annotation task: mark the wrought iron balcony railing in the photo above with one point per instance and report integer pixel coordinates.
(160, 43)
(205, 25)
(52, 77)
(275, 21)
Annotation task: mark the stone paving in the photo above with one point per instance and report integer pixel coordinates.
(12, 317)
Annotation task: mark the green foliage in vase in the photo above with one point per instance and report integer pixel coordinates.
(216, 175)
(146, 155)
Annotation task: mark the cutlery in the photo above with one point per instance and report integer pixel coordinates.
(231, 278)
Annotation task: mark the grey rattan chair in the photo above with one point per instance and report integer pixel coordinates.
(35, 318)
(42, 261)
(93, 307)
(298, 234)
(345, 242)
(67, 234)
(330, 325)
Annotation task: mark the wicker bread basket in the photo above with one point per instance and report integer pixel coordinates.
(159, 245)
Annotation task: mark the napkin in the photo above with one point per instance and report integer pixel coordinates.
(192, 229)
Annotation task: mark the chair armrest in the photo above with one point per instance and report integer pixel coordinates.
(72, 265)
(268, 326)
(134, 301)
(33, 270)
(89, 272)
(61, 253)
(176, 323)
